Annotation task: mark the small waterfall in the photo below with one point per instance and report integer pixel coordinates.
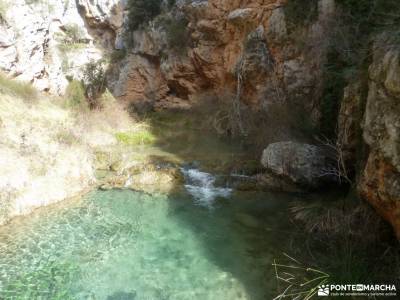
(129, 181)
(201, 186)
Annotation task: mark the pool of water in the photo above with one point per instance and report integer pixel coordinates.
(202, 242)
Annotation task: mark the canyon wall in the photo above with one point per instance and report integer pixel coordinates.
(369, 130)
(228, 42)
(45, 42)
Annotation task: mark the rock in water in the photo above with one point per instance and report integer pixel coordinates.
(303, 164)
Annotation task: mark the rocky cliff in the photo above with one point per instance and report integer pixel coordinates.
(45, 42)
(370, 119)
(244, 48)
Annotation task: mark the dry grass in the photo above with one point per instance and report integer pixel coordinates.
(3, 9)
(347, 239)
(344, 242)
(20, 89)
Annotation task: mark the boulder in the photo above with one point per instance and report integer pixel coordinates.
(303, 164)
(241, 16)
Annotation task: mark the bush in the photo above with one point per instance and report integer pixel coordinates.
(300, 13)
(177, 34)
(371, 15)
(118, 55)
(74, 34)
(141, 12)
(17, 88)
(94, 79)
(75, 94)
(73, 38)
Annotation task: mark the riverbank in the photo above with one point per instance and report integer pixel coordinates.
(48, 149)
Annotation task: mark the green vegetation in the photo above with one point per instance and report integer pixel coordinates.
(346, 243)
(142, 137)
(75, 94)
(300, 13)
(73, 33)
(117, 55)
(17, 88)
(71, 47)
(72, 39)
(140, 12)
(178, 37)
(94, 78)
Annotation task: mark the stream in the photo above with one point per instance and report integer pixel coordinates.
(204, 240)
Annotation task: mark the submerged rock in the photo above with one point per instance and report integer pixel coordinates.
(122, 296)
(148, 177)
(247, 220)
(302, 164)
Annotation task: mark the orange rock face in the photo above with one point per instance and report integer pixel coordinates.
(380, 186)
(228, 39)
(380, 180)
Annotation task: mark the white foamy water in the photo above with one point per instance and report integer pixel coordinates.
(201, 186)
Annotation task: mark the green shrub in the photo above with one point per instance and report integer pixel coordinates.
(73, 33)
(68, 47)
(369, 16)
(17, 88)
(94, 78)
(177, 34)
(142, 137)
(140, 12)
(73, 38)
(171, 3)
(75, 94)
(300, 13)
(118, 55)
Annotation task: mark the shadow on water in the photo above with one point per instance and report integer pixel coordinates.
(244, 233)
(240, 234)
(203, 240)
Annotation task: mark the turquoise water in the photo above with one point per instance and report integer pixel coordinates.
(122, 244)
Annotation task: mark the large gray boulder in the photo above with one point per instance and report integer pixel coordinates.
(303, 164)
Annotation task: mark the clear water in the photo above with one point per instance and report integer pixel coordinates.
(122, 244)
(203, 241)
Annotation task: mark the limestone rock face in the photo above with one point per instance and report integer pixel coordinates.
(227, 39)
(303, 164)
(36, 43)
(380, 181)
